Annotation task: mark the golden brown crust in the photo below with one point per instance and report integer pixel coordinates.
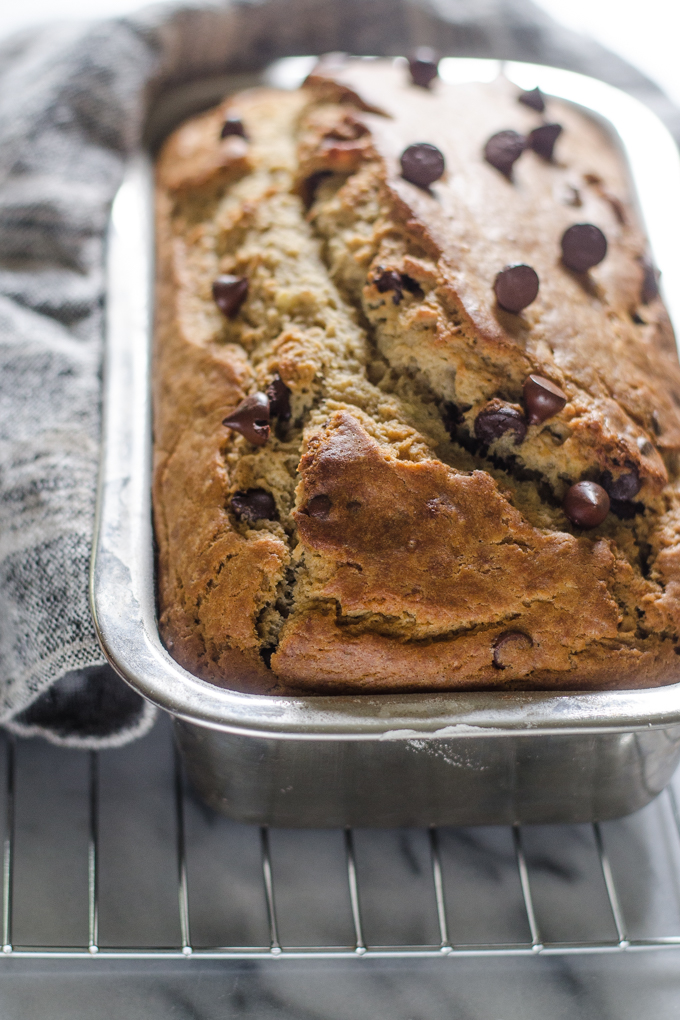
(431, 562)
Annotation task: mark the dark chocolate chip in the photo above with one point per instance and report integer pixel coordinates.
(533, 98)
(411, 285)
(625, 487)
(279, 399)
(319, 507)
(650, 280)
(423, 66)
(586, 504)
(233, 126)
(657, 428)
(453, 415)
(251, 419)
(503, 149)
(542, 139)
(310, 184)
(626, 509)
(229, 293)
(422, 164)
(506, 643)
(389, 279)
(496, 419)
(644, 446)
(254, 505)
(516, 287)
(542, 399)
(583, 246)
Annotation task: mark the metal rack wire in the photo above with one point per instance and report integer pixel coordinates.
(537, 945)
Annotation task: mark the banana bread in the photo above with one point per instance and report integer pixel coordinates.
(416, 395)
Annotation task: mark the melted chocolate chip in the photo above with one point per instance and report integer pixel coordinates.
(251, 419)
(423, 66)
(650, 281)
(542, 399)
(625, 487)
(229, 293)
(319, 507)
(503, 149)
(508, 642)
(389, 279)
(496, 419)
(533, 98)
(542, 139)
(516, 287)
(278, 395)
(254, 505)
(586, 504)
(626, 509)
(411, 285)
(233, 126)
(310, 184)
(583, 246)
(422, 164)
(453, 415)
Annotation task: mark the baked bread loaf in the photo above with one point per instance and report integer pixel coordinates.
(426, 316)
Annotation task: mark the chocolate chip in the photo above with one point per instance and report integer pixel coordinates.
(389, 279)
(586, 504)
(650, 280)
(422, 164)
(310, 184)
(516, 287)
(625, 487)
(542, 139)
(279, 399)
(496, 419)
(229, 293)
(411, 285)
(503, 149)
(453, 415)
(254, 505)
(319, 507)
(423, 66)
(251, 419)
(542, 399)
(533, 98)
(511, 640)
(233, 126)
(626, 509)
(583, 246)
(644, 446)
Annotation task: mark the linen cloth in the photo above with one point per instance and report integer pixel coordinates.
(73, 103)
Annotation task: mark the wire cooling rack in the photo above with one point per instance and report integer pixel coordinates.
(110, 854)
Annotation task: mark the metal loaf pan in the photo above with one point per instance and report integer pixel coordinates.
(384, 760)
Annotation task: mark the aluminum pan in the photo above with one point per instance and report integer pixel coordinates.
(122, 574)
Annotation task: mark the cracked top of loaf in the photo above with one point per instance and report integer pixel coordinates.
(396, 518)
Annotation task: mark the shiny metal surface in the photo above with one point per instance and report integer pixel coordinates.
(112, 856)
(386, 760)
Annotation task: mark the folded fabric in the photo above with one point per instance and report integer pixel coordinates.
(73, 104)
